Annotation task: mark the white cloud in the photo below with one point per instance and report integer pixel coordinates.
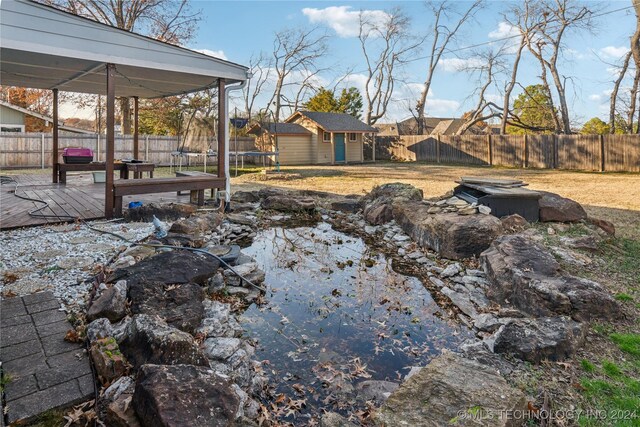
(343, 20)
(215, 53)
(445, 107)
(595, 97)
(614, 52)
(575, 54)
(504, 30)
(452, 65)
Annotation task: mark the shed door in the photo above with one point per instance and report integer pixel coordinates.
(338, 141)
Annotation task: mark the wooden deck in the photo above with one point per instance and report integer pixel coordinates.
(80, 198)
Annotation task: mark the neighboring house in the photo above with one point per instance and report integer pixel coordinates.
(18, 119)
(311, 137)
(431, 126)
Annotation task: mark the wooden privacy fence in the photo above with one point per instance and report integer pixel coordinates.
(33, 150)
(619, 153)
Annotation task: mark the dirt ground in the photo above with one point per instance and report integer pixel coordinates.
(611, 196)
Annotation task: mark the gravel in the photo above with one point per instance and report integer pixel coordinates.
(61, 258)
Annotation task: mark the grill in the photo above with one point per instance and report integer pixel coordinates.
(504, 197)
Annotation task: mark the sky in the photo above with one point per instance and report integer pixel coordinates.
(236, 30)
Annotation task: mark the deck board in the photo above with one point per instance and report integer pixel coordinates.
(80, 198)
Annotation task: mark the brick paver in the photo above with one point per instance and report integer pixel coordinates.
(44, 370)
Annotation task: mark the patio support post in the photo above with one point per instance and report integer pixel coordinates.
(54, 153)
(111, 98)
(222, 117)
(136, 146)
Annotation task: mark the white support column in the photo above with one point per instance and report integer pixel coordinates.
(362, 148)
(373, 146)
(346, 142)
(333, 151)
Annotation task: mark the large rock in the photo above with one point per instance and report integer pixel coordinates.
(245, 197)
(448, 387)
(164, 212)
(172, 267)
(559, 209)
(183, 395)
(112, 304)
(395, 190)
(523, 274)
(453, 236)
(119, 412)
(149, 339)
(179, 305)
(197, 224)
(379, 211)
(544, 338)
(347, 205)
(107, 359)
(288, 203)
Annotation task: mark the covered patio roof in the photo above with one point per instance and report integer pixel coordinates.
(45, 48)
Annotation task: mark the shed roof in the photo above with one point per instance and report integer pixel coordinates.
(335, 122)
(280, 129)
(46, 48)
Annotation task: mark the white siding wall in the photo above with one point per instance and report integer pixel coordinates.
(295, 150)
(324, 149)
(354, 149)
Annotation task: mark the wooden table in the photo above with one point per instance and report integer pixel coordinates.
(63, 168)
(138, 169)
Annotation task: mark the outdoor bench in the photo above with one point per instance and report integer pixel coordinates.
(195, 184)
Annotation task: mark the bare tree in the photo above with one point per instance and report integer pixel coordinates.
(261, 69)
(386, 47)
(443, 34)
(171, 21)
(491, 64)
(554, 19)
(614, 93)
(295, 54)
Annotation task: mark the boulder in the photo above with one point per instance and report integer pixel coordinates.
(107, 359)
(186, 240)
(333, 419)
(523, 274)
(376, 390)
(514, 223)
(183, 395)
(453, 236)
(555, 208)
(171, 267)
(218, 321)
(102, 328)
(448, 387)
(544, 338)
(148, 339)
(111, 304)
(197, 224)
(245, 197)
(179, 305)
(379, 211)
(119, 411)
(288, 203)
(164, 212)
(395, 190)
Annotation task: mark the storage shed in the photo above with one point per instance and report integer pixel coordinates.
(311, 137)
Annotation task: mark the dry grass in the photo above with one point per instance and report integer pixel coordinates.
(611, 196)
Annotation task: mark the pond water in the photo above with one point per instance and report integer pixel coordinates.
(337, 314)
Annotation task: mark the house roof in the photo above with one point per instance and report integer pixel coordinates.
(28, 112)
(335, 122)
(279, 129)
(46, 48)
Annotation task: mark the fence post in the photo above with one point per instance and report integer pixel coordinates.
(146, 148)
(602, 159)
(490, 149)
(438, 149)
(42, 150)
(526, 151)
(555, 151)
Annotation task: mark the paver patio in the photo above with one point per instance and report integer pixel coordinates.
(43, 370)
